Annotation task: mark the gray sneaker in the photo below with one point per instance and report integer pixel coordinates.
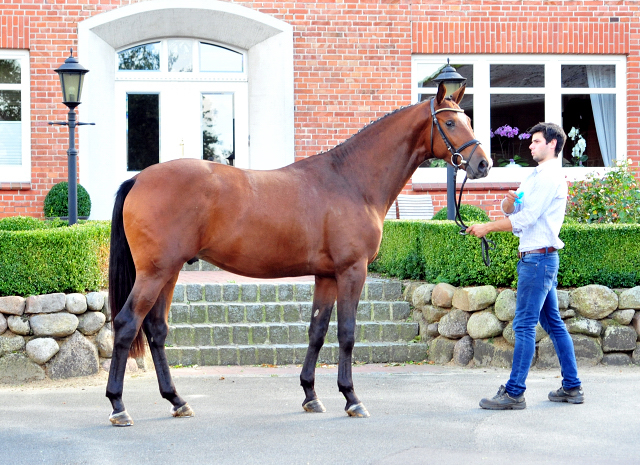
(572, 396)
(503, 401)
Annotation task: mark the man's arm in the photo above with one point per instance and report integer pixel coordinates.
(481, 230)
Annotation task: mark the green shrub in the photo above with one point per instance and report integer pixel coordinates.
(28, 223)
(54, 259)
(612, 198)
(56, 203)
(467, 212)
(435, 252)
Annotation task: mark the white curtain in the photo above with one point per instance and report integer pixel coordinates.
(604, 110)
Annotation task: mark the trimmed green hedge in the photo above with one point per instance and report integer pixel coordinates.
(434, 251)
(42, 258)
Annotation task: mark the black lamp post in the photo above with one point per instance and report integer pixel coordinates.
(71, 78)
(452, 81)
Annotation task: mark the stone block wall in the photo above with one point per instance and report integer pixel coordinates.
(54, 335)
(473, 325)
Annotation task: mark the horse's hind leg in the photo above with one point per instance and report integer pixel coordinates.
(126, 326)
(156, 328)
(323, 299)
(350, 285)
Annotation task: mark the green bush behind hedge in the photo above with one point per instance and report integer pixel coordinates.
(44, 258)
(434, 251)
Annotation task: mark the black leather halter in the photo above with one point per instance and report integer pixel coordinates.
(455, 153)
(486, 244)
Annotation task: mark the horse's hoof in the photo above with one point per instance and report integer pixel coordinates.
(314, 406)
(358, 411)
(121, 419)
(184, 411)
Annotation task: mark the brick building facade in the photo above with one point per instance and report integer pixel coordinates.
(314, 73)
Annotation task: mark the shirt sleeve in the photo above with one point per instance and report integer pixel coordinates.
(537, 201)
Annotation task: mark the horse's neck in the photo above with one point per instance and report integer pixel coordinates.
(380, 160)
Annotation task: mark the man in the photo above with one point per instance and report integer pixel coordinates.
(535, 214)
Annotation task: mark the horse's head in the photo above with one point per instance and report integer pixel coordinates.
(452, 138)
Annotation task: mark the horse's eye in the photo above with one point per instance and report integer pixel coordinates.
(450, 123)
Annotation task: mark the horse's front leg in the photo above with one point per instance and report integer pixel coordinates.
(350, 285)
(156, 329)
(323, 299)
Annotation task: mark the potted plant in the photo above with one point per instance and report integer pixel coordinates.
(56, 203)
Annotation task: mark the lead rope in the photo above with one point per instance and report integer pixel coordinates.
(486, 244)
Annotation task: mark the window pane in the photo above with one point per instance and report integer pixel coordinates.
(516, 75)
(180, 55)
(10, 106)
(141, 58)
(590, 124)
(218, 141)
(219, 59)
(10, 143)
(511, 116)
(9, 71)
(428, 71)
(602, 76)
(143, 131)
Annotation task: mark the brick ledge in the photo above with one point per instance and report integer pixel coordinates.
(15, 186)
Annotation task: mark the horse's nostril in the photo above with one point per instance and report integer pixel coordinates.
(483, 165)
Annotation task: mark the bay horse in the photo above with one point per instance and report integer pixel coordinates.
(321, 216)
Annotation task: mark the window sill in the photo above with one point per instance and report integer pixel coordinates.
(15, 186)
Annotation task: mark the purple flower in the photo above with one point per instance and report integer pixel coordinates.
(506, 131)
(524, 135)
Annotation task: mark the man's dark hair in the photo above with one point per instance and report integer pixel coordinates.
(551, 131)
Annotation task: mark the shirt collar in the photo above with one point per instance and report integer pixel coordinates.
(546, 165)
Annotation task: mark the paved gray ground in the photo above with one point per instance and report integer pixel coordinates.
(419, 414)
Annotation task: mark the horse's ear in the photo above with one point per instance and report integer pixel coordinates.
(458, 94)
(442, 90)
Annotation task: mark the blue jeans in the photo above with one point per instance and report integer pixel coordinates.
(537, 300)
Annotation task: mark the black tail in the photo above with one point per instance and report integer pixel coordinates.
(122, 272)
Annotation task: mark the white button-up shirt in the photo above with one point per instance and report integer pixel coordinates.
(539, 216)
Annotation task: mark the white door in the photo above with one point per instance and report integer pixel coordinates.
(160, 121)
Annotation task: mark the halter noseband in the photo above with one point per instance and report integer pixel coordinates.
(455, 153)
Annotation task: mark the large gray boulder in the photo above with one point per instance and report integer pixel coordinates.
(77, 357)
(492, 352)
(12, 305)
(547, 357)
(54, 324)
(90, 323)
(623, 317)
(635, 323)
(95, 301)
(46, 303)
(594, 301)
(472, 299)
(454, 324)
(579, 325)
(619, 338)
(41, 349)
(588, 350)
(76, 303)
(616, 359)
(18, 369)
(442, 295)
(422, 295)
(505, 307)
(483, 325)
(441, 350)
(510, 336)
(10, 342)
(563, 299)
(433, 314)
(104, 341)
(630, 298)
(3, 324)
(19, 325)
(463, 351)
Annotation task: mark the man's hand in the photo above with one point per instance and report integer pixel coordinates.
(509, 201)
(479, 230)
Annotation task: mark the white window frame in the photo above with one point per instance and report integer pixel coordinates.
(163, 73)
(553, 92)
(20, 173)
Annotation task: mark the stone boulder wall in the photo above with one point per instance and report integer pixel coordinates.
(474, 325)
(54, 335)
